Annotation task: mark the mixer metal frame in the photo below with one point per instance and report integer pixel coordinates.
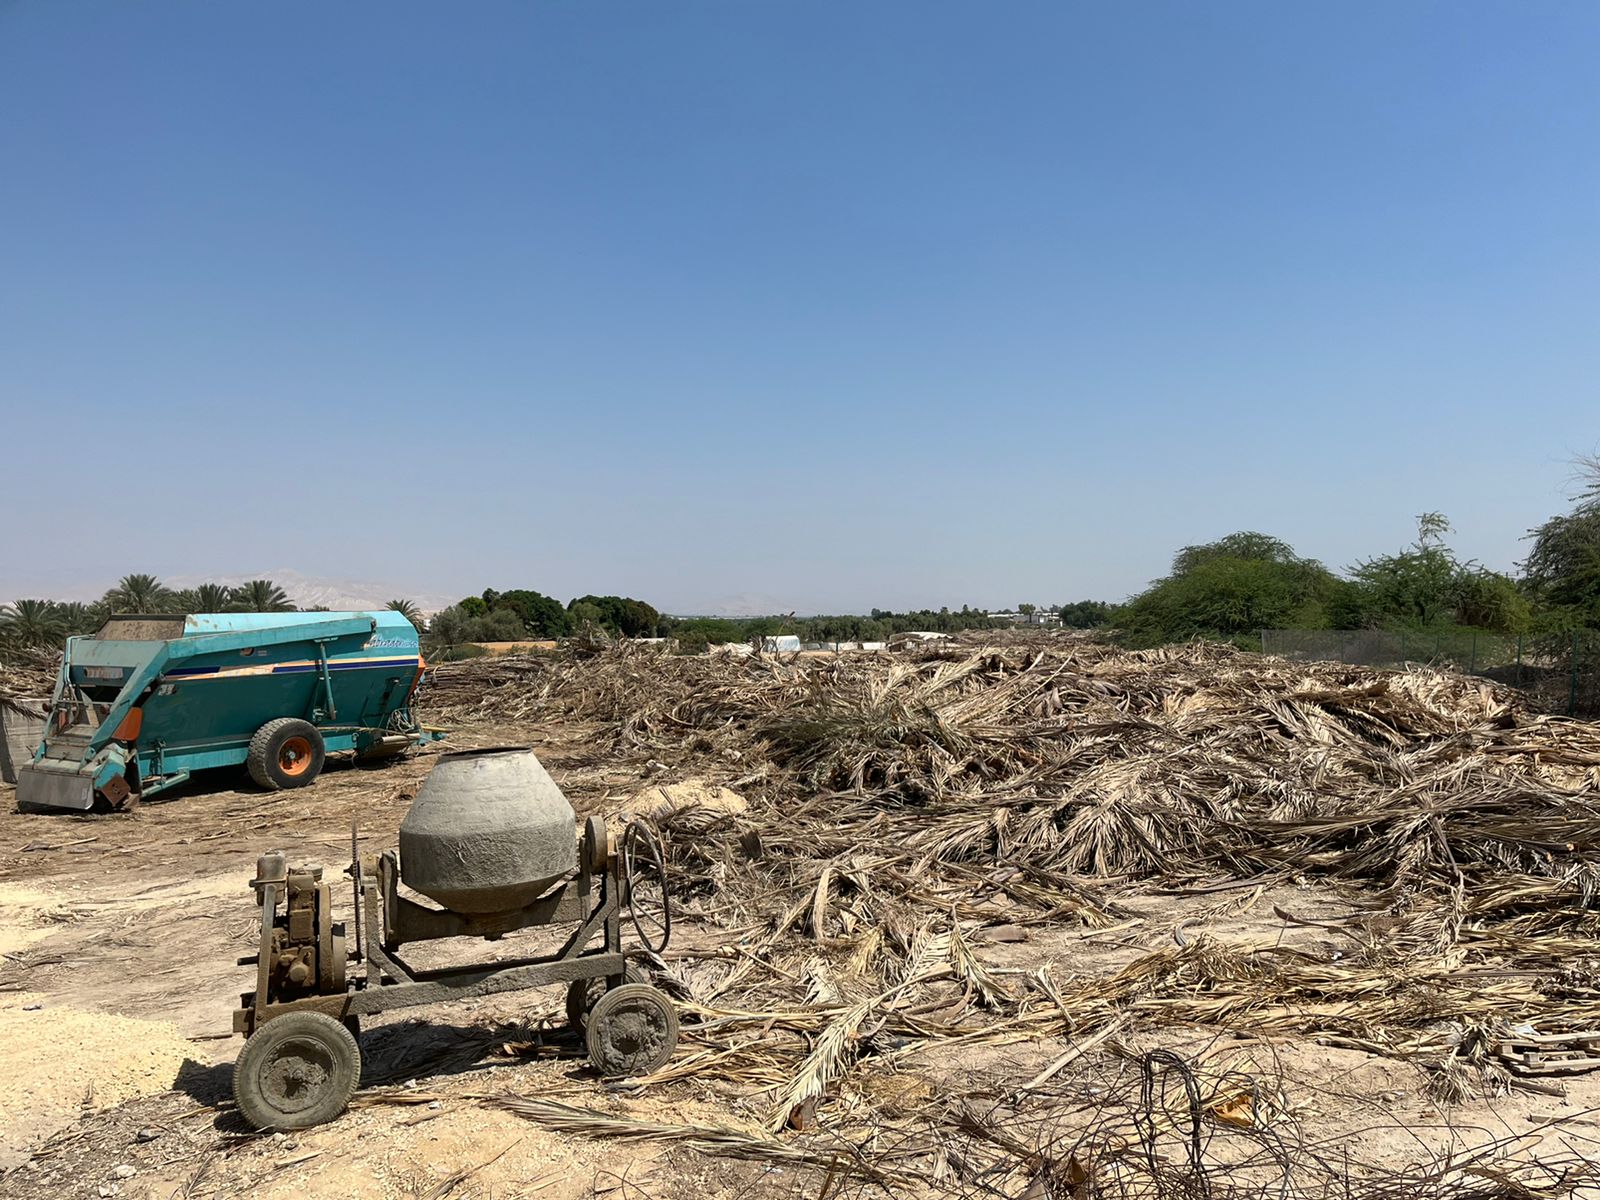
(592, 897)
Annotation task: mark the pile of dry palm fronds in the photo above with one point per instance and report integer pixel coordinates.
(901, 806)
(1152, 1126)
(28, 675)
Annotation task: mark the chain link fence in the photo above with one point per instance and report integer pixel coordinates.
(1560, 670)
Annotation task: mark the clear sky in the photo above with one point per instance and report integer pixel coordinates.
(840, 305)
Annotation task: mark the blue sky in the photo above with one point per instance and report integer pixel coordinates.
(840, 305)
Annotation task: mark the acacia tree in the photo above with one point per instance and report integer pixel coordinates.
(1418, 586)
(1231, 588)
(1563, 567)
(1426, 585)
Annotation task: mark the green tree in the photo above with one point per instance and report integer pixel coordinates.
(456, 626)
(212, 598)
(1085, 614)
(1419, 586)
(541, 616)
(1490, 600)
(622, 614)
(1230, 589)
(1427, 586)
(32, 625)
(140, 594)
(262, 596)
(1562, 570)
(584, 614)
(447, 628)
(77, 618)
(409, 611)
(1247, 545)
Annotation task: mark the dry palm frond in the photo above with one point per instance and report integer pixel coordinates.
(707, 1139)
(991, 992)
(826, 1062)
(899, 804)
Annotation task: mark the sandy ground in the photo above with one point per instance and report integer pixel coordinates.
(119, 936)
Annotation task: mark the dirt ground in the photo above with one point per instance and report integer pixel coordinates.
(119, 936)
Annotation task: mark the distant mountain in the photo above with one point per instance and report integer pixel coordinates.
(747, 604)
(341, 595)
(305, 591)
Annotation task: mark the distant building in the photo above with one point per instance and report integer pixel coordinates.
(783, 643)
(917, 637)
(664, 645)
(1039, 616)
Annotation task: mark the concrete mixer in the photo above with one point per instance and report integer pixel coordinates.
(492, 842)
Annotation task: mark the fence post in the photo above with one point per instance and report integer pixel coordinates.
(1572, 678)
(1472, 668)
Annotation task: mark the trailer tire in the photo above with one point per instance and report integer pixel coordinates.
(296, 1071)
(286, 753)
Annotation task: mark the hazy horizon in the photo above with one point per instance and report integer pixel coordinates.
(904, 306)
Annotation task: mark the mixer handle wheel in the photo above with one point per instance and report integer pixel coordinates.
(596, 845)
(644, 871)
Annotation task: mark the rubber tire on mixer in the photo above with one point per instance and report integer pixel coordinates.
(296, 1071)
(266, 751)
(633, 1030)
(584, 994)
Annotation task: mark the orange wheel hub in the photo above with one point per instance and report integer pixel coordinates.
(294, 756)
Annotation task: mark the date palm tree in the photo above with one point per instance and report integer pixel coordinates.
(140, 594)
(408, 610)
(261, 595)
(78, 618)
(212, 598)
(31, 624)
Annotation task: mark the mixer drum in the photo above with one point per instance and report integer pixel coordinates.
(488, 832)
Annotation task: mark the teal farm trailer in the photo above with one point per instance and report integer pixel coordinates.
(148, 700)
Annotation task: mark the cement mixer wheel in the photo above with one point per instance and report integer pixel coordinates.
(286, 753)
(584, 994)
(633, 1030)
(296, 1071)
